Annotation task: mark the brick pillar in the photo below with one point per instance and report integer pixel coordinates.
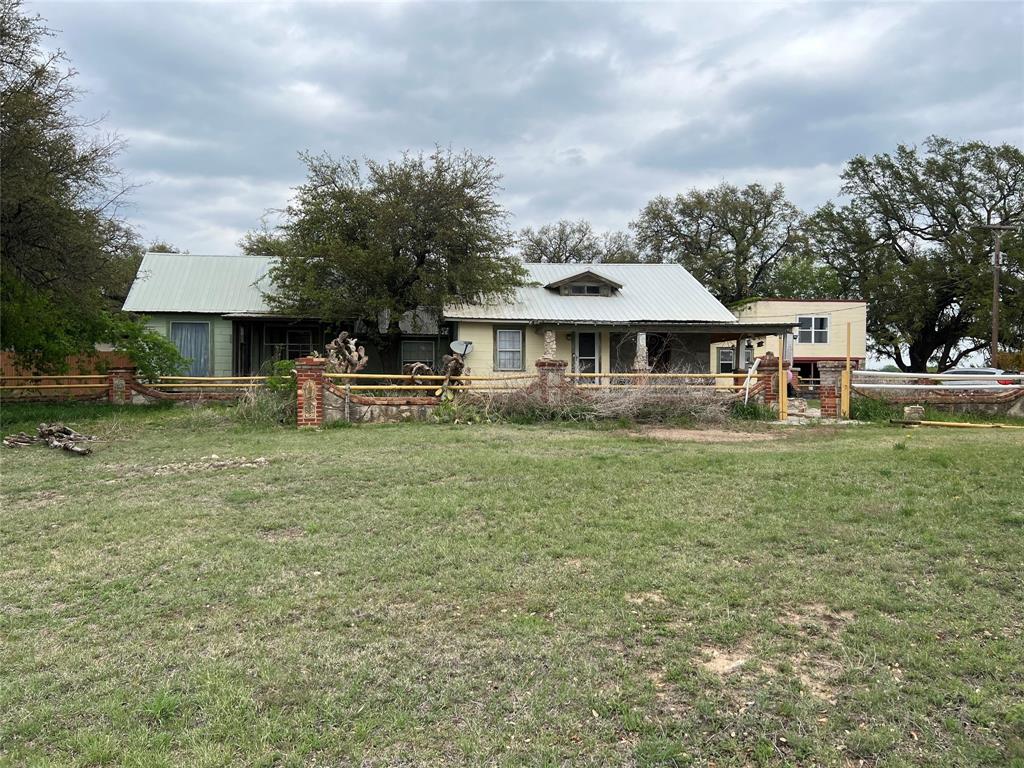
(830, 372)
(550, 377)
(309, 380)
(769, 366)
(119, 390)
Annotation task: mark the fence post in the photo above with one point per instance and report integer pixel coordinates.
(831, 374)
(550, 377)
(119, 385)
(309, 381)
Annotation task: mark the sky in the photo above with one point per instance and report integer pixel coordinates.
(590, 109)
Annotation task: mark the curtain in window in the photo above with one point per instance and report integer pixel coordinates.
(510, 350)
(193, 342)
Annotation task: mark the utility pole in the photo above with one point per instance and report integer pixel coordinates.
(998, 230)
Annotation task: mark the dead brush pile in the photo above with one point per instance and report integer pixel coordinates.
(641, 404)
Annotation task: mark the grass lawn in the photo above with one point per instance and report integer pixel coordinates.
(478, 595)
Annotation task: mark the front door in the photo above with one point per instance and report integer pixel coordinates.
(586, 356)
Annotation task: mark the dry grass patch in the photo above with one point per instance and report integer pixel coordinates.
(676, 434)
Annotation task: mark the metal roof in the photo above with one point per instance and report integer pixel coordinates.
(234, 285)
(650, 293)
(184, 282)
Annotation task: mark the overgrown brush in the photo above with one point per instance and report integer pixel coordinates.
(273, 403)
(639, 404)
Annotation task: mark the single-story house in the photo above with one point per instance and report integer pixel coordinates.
(601, 318)
(819, 333)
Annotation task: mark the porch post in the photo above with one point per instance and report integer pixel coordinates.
(309, 381)
(640, 363)
(550, 345)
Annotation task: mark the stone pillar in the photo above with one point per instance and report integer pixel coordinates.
(119, 389)
(550, 345)
(640, 362)
(830, 372)
(309, 380)
(550, 378)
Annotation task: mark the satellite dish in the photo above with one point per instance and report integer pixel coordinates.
(461, 347)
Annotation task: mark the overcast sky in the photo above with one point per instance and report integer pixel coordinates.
(589, 109)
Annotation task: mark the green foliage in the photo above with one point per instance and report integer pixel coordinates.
(68, 258)
(752, 411)
(869, 409)
(910, 241)
(152, 353)
(375, 241)
(735, 241)
(273, 403)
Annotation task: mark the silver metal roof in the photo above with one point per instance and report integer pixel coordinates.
(184, 282)
(650, 293)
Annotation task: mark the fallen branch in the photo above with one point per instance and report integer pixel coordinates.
(54, 436)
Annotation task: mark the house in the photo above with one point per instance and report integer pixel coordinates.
(819, 333)
(599, 315)
(598, 318)
(215, 310)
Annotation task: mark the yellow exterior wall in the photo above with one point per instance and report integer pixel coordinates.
(839, 313)
(481, 360)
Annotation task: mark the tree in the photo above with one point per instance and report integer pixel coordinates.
(67, 256)
(375, 241)
(574, 242)
(909, 242)
(732, 239)
(162, 246)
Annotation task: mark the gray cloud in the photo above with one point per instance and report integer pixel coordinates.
(590, 109)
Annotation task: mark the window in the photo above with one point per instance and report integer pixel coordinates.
(813, 330)
(193, 342)
(298, 343)
(418, 351)
(509, 350)
(726, 355)
(585, 290)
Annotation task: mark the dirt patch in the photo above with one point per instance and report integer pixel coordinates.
(646, 598)
(284, 534)
(672, 434)
(722, 662)
(203, 464)
(42, 499)
(817, 619)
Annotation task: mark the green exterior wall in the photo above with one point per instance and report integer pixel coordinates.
(220, 336)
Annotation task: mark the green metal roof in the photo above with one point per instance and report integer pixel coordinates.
(184, 282)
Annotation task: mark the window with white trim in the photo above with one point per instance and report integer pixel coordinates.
(508, 350)
(813, 330)
(726, 355)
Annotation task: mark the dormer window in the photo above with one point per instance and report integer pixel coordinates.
(586, 282)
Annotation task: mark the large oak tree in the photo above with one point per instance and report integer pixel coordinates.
(910, 240)
(734, 240)
(374, 241)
